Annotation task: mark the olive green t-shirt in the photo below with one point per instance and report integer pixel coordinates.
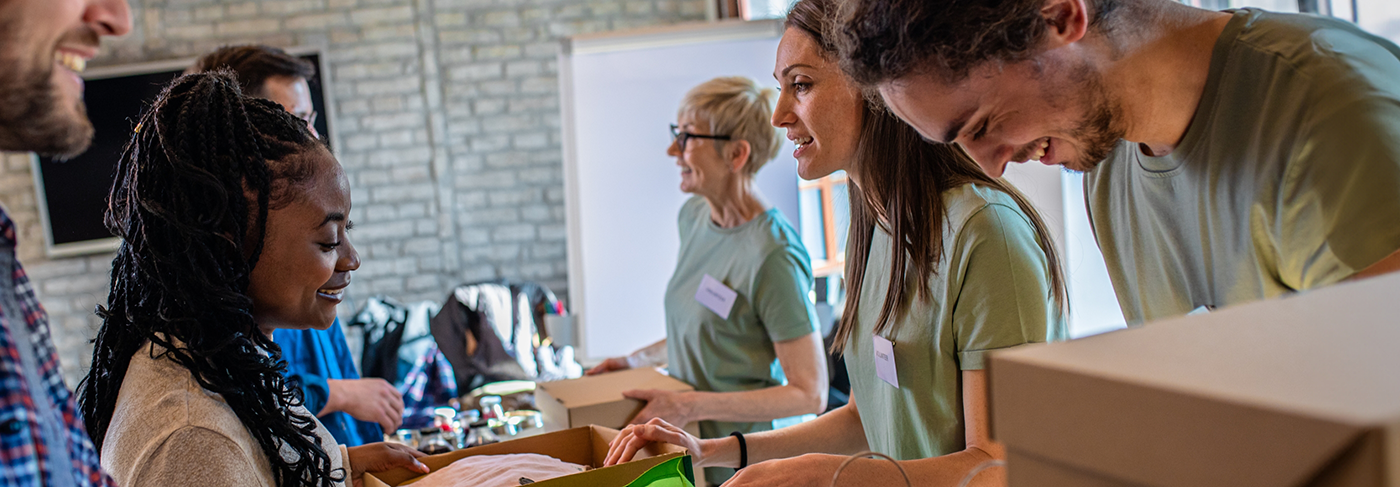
(991, 291)
(1287, 179)
(764, 261)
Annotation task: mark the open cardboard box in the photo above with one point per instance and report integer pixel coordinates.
(584, 446)
(1300, 391)
(597, 399)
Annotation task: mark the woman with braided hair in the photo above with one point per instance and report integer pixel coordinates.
(233, 219)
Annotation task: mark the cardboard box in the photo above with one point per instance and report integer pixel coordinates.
(583, 446)
(1302, 391)
(597, 400)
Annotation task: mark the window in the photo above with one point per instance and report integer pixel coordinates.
(1380, 17)
(826, 216)
(764, 9)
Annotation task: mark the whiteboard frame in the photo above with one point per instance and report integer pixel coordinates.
(651, 37)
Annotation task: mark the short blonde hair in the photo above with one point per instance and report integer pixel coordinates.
(736, 106)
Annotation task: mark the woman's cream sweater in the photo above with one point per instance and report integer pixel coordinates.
(167, 431)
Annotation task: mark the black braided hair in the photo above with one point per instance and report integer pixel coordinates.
(190, 202)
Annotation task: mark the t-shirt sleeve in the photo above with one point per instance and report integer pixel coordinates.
(1341, 210)
(196, 456)
(782, 295)
(1003, 299)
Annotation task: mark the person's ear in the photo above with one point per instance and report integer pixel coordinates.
(1066, 22)
(738, 155)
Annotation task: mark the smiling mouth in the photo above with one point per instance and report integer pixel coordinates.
(801, 142)
(332, 293)
(72, 62)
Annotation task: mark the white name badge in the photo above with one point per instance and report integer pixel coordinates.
(884, 361)
(716, 296)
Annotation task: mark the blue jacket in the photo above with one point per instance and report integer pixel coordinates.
(313, 356)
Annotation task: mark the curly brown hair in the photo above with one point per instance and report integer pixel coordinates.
(882, 40)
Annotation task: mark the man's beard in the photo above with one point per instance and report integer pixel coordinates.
(1095, 134)
(30, 116)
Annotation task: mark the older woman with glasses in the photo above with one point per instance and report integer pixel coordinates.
(738, 300)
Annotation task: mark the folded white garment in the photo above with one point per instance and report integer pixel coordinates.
(499, 471)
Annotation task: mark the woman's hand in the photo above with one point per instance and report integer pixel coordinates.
(610, 365)
(672, 406)
(378, 457)
(635, 437)
(805, 470)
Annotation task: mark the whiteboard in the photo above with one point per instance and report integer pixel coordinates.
(619, 94)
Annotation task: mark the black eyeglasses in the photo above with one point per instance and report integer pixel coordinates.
(309, 118)
(682, 137)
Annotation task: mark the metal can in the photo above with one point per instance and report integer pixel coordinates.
(432, 441)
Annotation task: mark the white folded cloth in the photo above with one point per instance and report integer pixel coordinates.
(499, 471)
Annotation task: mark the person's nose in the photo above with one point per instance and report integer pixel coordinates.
(674, 150)
(108, 17)
(991, 157)
(349, 259)
(783, 115)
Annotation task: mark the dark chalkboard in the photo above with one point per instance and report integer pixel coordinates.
(73, 193)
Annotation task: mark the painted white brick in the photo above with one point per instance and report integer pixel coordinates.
(245, 9)
(403, 85)
(438, 127)
(248, 27)
(375, 16)
(476, 71)
(397, 193)
(531, 141)
(392, 32)
(316, 21)
(57, 268)
(423, 283)
(502, 18)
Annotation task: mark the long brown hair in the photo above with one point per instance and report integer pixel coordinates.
(898, 180)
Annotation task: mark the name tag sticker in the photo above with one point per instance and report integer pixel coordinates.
(884, 361)
(716, 296)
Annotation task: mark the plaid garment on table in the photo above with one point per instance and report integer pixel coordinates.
(35, 417)
(429, 384)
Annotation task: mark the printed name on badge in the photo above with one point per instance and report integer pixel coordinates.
(884, 361)
(716, 296)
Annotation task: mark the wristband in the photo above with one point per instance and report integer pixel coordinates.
(743, 450)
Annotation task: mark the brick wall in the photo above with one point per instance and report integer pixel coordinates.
(447, 113)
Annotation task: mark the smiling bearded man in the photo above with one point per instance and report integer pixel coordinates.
(1228, 156)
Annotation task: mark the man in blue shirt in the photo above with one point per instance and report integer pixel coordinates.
(320, 361)
(355, 410)
(44, 47)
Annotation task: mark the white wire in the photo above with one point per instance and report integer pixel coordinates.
(979, 468)
(864, 454)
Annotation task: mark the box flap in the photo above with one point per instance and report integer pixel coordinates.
(604, 388)
(584, 446)
(1261, 394)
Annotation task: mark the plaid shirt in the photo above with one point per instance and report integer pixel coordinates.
(429, 384)
(40, 427)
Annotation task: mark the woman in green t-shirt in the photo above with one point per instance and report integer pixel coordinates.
(981, 275)
(738, 300)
